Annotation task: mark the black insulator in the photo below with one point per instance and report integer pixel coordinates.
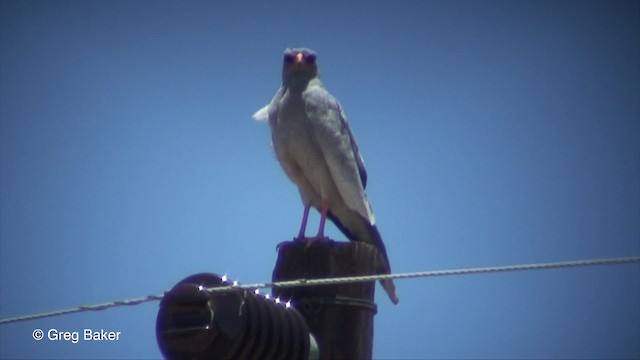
(194, 323)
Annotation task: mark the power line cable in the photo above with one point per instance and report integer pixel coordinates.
(83, 308)
(340, 280)
(432, 273)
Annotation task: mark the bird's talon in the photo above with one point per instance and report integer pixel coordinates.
(280, 244)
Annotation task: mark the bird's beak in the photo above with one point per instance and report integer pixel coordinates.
(299, 60)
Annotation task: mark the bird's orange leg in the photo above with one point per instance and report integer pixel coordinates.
(323, 218)
(303, 226)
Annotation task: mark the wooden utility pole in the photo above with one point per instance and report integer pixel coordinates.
(340, 317)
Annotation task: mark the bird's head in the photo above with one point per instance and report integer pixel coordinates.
(299, 64)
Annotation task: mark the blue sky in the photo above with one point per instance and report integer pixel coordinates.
(494, 133)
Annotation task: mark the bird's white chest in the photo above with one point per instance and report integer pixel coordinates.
(292, 133)
(297, 149)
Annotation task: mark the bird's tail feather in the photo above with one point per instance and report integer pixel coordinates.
(388, 285)
(373, 237)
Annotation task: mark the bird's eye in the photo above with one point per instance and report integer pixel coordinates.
(311, 58)
(288, 58)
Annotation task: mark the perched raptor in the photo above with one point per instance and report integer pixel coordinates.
(317, 150)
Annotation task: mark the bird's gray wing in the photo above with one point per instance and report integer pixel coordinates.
(333, 134)
(262, 114)
(356, 151)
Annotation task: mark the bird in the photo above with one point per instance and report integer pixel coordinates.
(315, 146)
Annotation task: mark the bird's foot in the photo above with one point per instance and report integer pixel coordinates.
(303, 239)
(282, 243)
(312, 240)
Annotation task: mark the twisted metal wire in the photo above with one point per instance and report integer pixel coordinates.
(83, 308)
(339, 280)
(432, 273)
